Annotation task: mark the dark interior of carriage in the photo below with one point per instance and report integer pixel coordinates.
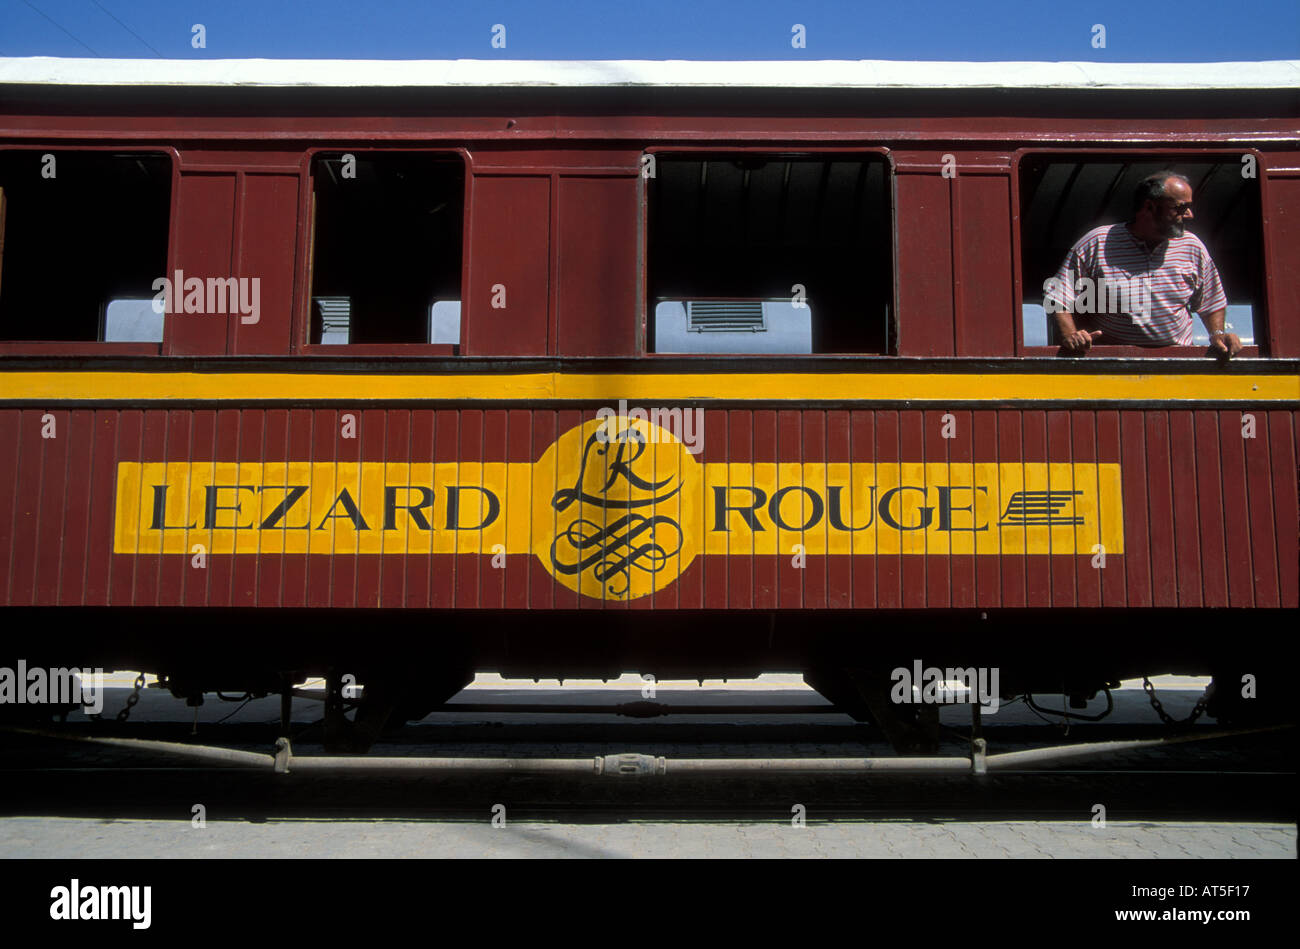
(79, 231)
(726, 232)
(386, 246)
(1062, 197)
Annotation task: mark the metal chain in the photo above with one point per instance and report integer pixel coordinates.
(1165, 716)
(132, 699)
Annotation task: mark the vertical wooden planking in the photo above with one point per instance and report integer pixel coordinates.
(937, 561)
(1038, 566)
(1208, 494)
(492, 580)
(196, 582)
(27, 506)
(815, 537)
(443, 567)
(1137, 556)
(1236, 510)
(1114, 590)
(1260, 490)
(1175, 535)
(121, 581)
(961, 566)
(1013, 542)
(508, 254)
(153, 448)
(468, 561)
(252, 446)
(665, 598)
(611, 602)
(985, 269)
(596, 265)
(50, 513)
(1283, 455)
(267, 234)
(1186, 513)
(740, 553)
(203, 241)
(565, 598)
(172, 567)
(862, 452)
(221, 566)
(839, 563)
(298, 450)
(911, 451)
(343, 557)
(713, 570)
(789, 448)
(418, 564)
(76, 539)
(1282, 251)
(320, 566)
(925, 278)
(397, 471)
(1083, 449)
(1164, 580)
(889, 566)
(10, 436)
(766, 582)
(102, 487)
(518, 451)
(541, 583)
(372, 448)
(1060, 451)
(988, 567)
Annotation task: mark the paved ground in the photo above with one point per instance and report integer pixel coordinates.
(71, 838)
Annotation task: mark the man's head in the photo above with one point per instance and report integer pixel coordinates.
(1162, 205)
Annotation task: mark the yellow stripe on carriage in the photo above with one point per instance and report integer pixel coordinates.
(649, 388)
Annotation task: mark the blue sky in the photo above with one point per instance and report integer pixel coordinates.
(1184, 31)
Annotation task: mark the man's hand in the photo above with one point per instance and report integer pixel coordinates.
(1224, 345)
(1080, 341)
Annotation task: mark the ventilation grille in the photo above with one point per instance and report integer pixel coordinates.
(725, 316)
(336, 317)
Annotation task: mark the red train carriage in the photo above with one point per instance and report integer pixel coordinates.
(697, 369)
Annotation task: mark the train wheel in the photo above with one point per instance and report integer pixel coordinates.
(388, 700)
(1246, 699)
(865, 695)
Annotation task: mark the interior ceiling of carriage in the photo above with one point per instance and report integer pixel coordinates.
(1062, 199)
(770, 199)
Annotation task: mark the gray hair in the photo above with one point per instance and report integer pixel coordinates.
(1153, 186)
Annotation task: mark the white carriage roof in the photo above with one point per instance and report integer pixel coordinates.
(480, 73)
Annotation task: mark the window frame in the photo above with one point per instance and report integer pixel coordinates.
(300, 341)
(787, 147)
(100, 347)
(1174, 155)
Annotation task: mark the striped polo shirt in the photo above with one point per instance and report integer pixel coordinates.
(1135, 296)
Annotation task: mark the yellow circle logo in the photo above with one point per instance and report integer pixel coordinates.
(622, 520)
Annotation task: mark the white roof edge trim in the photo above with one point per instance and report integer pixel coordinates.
(811, 74)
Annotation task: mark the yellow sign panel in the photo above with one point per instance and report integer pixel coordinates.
(617, 508)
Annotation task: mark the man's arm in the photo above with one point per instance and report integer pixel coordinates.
(1073, 339)
(1211, 303)
(1058, 300)
(1221, 343)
